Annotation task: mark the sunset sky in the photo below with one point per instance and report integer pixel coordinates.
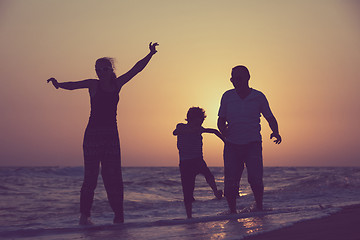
(303, 55)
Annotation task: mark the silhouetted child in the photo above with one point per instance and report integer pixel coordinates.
(189, 143)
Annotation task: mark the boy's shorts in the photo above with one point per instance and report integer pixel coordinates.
(188, 170)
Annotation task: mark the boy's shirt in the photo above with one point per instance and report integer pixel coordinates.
(189, 142)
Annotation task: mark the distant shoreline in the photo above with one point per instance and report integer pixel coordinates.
(39, 166)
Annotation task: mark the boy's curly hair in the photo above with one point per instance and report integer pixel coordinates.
(195, 112)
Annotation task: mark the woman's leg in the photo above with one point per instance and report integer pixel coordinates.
(112, 176)
(91, 172)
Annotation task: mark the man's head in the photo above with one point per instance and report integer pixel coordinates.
(240, 76)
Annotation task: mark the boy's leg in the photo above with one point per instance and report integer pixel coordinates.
(112, 177)
(188, 184)
(254, 165)
(210, 179)
(233, 168)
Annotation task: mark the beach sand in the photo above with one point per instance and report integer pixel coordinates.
(344, 225)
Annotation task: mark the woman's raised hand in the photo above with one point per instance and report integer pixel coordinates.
(152, 47)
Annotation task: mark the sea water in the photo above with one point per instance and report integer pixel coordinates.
(43, 203)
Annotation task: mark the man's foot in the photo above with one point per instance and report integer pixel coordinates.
(218, 194)
(118, 219)
(85, 221)
(256, 208)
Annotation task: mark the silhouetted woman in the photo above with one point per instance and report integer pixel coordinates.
(101, 138)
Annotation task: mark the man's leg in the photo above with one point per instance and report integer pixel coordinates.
(233, 167)
(254, 165)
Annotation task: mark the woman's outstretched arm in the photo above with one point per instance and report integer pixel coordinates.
(72, 85)
(138, 67)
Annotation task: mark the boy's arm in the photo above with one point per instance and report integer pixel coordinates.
(179, 129)
(176, 131)
(214, 131)
(182, 128)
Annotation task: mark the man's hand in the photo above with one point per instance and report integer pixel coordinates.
(277, 136)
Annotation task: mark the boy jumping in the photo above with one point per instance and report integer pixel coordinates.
(189, 143)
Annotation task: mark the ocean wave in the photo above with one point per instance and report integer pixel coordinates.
(305, 180)
(41, 171)
(5, 188)
(35, 199)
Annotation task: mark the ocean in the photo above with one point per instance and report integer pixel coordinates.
(43, 203)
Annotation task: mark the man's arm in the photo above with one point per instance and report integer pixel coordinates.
(275, 128)
(72, 85)
(138, 67)
(214, 131)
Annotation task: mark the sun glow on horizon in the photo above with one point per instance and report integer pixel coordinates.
(302, 55)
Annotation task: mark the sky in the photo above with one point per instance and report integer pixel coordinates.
(303, 55)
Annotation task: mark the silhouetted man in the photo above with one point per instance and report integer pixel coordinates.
(239, 122)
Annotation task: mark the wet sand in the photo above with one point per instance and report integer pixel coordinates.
(344, 225)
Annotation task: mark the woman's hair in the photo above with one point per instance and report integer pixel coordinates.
(107, 60)
(195, 112)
